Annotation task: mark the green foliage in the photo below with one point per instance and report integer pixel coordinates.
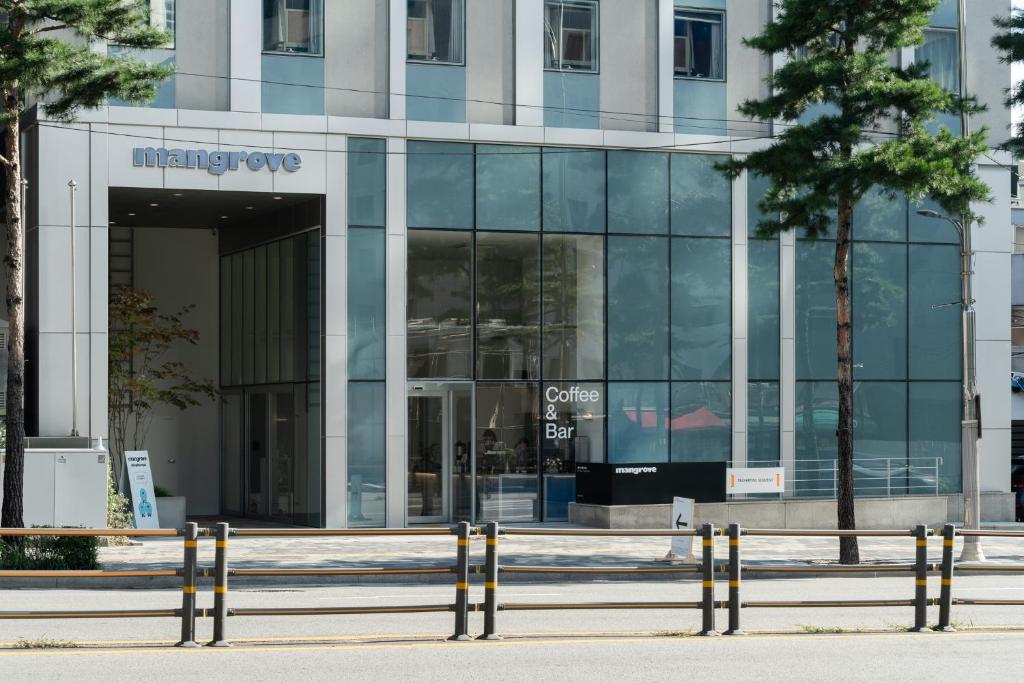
(45, 53)
(874, 131)
(51, 553)
(161, 492)
(119, 510)
(140, 376)
(1010, 44)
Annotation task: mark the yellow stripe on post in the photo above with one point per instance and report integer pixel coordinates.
(921, 543)
(463, 542)
(191, 544)
(948, 542)
(921, 582)
(734, 541)
(947, 582)
(220, 589)
(492, 585)
(492, 541)
(734, 584)
(461, 586)
(222, 544)
(188, 589)
(709, 584)
(708, 542)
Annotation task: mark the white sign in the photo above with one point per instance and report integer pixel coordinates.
(573, 398)
(754, 480)
(140, 478)
(682, 518)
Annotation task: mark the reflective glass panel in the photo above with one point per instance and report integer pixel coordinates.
(928, 229)
(506, 460)
(880, 217)
(507, 187)
(701, 309)
(762, 424)
(879, 311)
(701, 422)
(573, 307)
(815, 310)
(572, 430)
(366, 303)
(817, 417)
(935, 414)
(638, 313)
(367, 181)
(638, 417)
(574, 190)
(935, 341)
(701, 196)
(570, 35)
(880, 438)
(440, 184)
(435, 30)
(439, 304)
(638, 192)
(763, 309)
(508, 306)
(293, 26)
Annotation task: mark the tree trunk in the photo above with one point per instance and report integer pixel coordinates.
(848, 550)
(14, 467)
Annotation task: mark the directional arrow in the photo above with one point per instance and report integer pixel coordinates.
(680, 524)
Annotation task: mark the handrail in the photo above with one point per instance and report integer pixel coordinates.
(530, 531)
(4, 531)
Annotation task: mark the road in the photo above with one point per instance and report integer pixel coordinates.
(600, 644)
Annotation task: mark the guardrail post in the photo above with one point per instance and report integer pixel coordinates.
(188, 586)
(491, 584)
(946, 591)
(921, 579)
(220, 587)
(734, 581)
(707, 534)
(462, 584)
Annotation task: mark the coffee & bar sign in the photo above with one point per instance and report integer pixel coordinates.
(215, 162)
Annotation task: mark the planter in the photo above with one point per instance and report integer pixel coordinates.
(171, 510)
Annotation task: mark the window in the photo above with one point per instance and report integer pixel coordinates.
(941, 50)
(570, 35)
(699, 45)
(293, 26)
(434, 31)
(161, 15)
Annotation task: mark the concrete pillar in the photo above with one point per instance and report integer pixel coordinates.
(666, 71)
(740, 301)
(529, 62)
(246, 55)
(396, 335)
(787, 364)
(397, 54)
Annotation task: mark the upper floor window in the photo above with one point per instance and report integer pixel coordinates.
(700, 44)
(161, 16)
(941, 49)
(570, 35)
(294, 26)
(435, 31)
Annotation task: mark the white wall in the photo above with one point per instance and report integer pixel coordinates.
(180, 267)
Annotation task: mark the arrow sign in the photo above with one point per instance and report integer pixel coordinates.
(682, 514)
(680, 524)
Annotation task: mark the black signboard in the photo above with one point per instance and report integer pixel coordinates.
(649, 483)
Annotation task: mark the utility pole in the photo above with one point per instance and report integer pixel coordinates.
(72, 189)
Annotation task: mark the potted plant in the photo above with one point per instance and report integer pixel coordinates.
(170, 509)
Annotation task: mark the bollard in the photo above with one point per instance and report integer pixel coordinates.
(921, 579)
(946, 591)
(462, 584)
(708, 572)
(220, 587)
(188, 587)
(491, 584)
(734, 581)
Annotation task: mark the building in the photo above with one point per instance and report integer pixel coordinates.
(442, 251)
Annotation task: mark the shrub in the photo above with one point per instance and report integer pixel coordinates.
(50, 553)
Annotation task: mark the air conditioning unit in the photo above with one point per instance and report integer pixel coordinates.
(682, 55)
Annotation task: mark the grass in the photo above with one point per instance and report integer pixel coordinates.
(44, 644)
(807, 628)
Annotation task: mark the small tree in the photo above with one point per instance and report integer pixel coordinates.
(46, 55)
(839, 55)
(1010, 42)
(140, 376)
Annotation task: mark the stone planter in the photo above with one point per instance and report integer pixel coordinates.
(171, 510)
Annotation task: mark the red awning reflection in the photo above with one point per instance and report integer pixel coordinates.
(698, 419)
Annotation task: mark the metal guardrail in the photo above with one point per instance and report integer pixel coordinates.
(492, 569)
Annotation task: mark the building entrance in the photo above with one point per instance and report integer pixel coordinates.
(440, 465)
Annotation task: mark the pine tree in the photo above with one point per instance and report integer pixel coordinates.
(873, 132)
(1011, 44)
(47, 57)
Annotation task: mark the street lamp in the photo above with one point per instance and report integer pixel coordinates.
(969, 432)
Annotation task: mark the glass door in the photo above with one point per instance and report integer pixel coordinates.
(257, 447)
(428, 443)
(282, 454)
(232, 440)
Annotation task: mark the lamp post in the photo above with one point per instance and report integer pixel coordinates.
(969, 425)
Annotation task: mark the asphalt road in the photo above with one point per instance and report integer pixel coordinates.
(599, 644)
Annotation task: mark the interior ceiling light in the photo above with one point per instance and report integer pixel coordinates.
(248, 208)
(177, 194)
(131, 214)
(278, 197)
(154, 204)
(223, 217)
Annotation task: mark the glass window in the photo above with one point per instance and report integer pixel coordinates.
(637, 422)
(312, 303)
(699, 44)
(570, 35)
(439, 304)
(763, 309)
(508, 306)
(817, 418)
(815, 310)
(506, 460)
(638, 192)
(762, 424)
(572, 430)
(701, 422)
(701, 196)
(927, 229)
(638, 313)
(574, 190)
(435, 30)
(573, 307)
(248, 315)
(367, 182)
(880, 217)
(367, 454)
(260, 297)
(701, 309)
(226, 311)
(162, 16)
(880, 438)
(879, 308)
(934, 321)
(366, 303)
(941, 49)
(274, 312)
(440, 185)
(935, 414)
(757, 187)
(507, 187)
(293, 26)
